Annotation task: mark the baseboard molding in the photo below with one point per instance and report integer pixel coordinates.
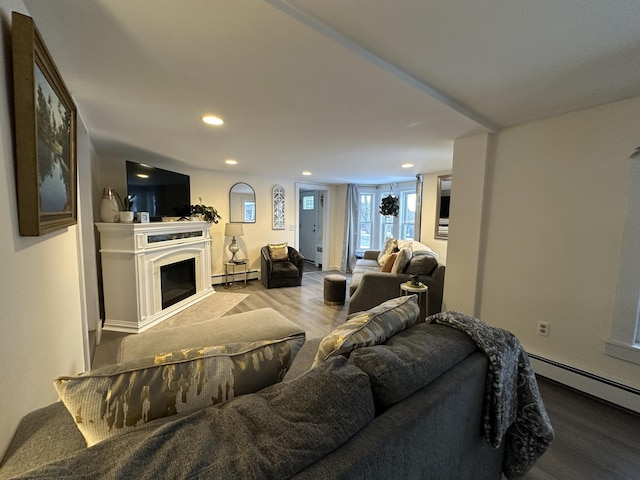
(600, 387)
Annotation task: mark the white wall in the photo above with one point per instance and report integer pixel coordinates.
(213, 188)
(555, 200)
(465, 230)
(40, 322)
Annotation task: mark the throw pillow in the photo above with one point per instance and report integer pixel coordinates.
(279, 252)
(390, 246)
(421, 264)
(369, 328)
(404, 256)
(118, 398)
(421, 247)
(388, 265)
(410, 360)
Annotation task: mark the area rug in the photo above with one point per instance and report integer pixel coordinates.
(214, 306)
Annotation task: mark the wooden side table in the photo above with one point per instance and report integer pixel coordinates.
(230, 271)
(422, 291)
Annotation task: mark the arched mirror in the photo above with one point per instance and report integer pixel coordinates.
(242, 203)
(442, 207)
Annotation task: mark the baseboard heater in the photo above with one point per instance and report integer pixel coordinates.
(603, 388)
(218, 279)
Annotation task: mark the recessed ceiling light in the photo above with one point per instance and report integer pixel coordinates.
(142, 175)
(231, 161)
(306, 172)
(407, 165)
(212, 120)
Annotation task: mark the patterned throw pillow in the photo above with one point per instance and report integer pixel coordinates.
(368, 328)
(118, 398)
(390, 246)
(388, 265)
(279, 252)
(404, 256)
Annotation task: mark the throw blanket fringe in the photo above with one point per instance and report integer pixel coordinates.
(514, 410)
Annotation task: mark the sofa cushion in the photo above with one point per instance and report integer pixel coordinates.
(388, 265)
(274, 433)
(421, 263)
(279, 252)
(240, 327)
(369, 328)
(363, 265)
(284, 270)
(390, 246)
(119, 398)
(410, 360)
(403, 259)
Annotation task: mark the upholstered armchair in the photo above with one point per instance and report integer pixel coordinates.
(281, 266)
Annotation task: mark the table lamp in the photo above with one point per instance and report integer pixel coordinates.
(233, 230)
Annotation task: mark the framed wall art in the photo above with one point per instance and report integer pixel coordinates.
(278, 207)
(45, 135)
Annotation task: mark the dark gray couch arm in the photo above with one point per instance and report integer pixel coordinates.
(378, 287)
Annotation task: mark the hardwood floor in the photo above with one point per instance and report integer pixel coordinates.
(304, 305)
(594, 440)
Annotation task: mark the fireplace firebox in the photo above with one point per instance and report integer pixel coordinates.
(177, 281)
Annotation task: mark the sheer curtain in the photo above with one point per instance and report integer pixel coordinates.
(350, 230)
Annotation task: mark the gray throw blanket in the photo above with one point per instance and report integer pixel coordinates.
(514, 410)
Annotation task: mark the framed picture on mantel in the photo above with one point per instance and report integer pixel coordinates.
(45, 135)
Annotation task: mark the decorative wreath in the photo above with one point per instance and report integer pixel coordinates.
(390, 205)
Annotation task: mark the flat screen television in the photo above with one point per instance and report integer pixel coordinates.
(160, 192)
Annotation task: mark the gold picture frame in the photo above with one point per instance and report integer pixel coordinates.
(45, 135)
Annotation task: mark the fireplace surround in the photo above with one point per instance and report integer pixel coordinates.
(138, 260)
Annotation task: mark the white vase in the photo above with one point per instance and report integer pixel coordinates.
(109, 206)
(126, 217)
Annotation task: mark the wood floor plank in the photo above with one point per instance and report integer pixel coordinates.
(594, 440)
(303, 305)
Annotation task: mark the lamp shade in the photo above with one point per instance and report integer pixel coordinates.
(233, 230)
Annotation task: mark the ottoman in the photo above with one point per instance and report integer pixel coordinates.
(335, 287)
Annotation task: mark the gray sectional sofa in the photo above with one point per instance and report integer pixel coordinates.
(346, 418)
(370, 286)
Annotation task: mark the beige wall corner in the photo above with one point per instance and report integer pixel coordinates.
(461, 291)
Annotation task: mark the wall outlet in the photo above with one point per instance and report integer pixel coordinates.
(543, 329)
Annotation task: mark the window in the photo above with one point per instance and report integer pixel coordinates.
(408, 215)
(308, 202)
(624, 341)
(365, 223)
(374, 228)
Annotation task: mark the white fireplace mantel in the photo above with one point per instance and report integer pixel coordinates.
(132, 255)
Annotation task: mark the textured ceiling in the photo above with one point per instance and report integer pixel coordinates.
(348, 90)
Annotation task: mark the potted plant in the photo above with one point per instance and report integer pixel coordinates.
(209, 214)
(126, 214)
